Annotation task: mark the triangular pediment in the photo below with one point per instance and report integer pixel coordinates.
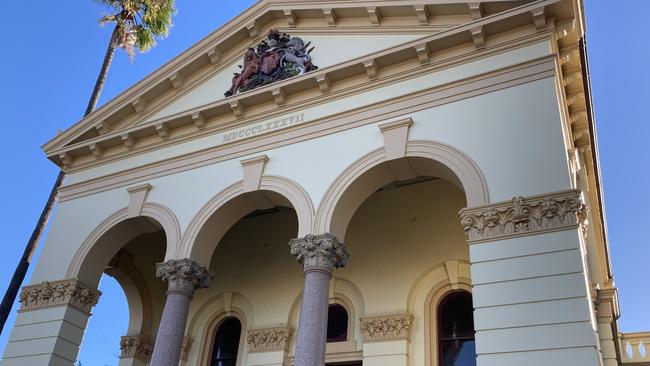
(343, 34)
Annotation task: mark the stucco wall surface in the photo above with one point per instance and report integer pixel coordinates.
(514, 135)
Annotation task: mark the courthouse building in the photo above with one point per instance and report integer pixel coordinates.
(371, 182)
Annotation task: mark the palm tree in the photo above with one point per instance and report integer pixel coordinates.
(136, 23)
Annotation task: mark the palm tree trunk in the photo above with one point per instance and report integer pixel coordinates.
(103, 73)
(21, 270)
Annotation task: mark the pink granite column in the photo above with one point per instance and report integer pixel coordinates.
(318, 255)
(183, 277)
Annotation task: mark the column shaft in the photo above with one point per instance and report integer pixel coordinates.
(312, 330)
(183, 278)
(319, 255)
(171, 331)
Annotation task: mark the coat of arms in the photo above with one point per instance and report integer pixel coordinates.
(278, 57)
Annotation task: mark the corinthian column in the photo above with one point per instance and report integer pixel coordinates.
(318, 255)
(183, 277)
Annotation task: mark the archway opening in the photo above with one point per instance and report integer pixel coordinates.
(246, 242)
(391, 175)
(122, 262)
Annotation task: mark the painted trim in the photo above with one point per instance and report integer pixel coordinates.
(163, 215)
(465, 169)
(289, 189)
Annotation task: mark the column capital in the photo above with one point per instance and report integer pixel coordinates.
(525, 216)
(320, 252)
(136, 346)
(184, 275)
(70, 292)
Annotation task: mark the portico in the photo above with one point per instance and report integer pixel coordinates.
(419, 189)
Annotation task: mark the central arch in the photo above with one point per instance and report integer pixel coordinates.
(360, 180)
(223, 211)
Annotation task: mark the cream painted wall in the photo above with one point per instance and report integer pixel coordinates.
(514, 135)
(330, 50)
(527, 159)
(395, 237)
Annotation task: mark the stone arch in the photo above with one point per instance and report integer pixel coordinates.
(425, 294)
(106, 239)
(137, 296)
(335, 210)
(223, 204)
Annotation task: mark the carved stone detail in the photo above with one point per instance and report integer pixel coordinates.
(184, 275)
(186, 346)
(269, 339)
(322, 251)
(388, 327)
(522, 216)
(278, 57)
(136, 346)
(59, 293)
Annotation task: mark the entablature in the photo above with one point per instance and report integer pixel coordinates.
(482, 36)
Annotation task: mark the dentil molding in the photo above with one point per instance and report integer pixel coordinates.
(136, 346)
(269, 339)
(524, 216)
(387, 327)
(59, 293)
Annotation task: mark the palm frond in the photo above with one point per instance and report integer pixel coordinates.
(139, 22)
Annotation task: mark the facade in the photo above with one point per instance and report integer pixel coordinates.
(385, 183)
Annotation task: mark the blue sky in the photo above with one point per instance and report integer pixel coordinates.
(50, 61)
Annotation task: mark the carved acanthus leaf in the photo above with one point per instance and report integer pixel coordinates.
(136, 346)
(523, 216)
(379, 328)
(321, 251)
(184, 275)
(186, 346)
(269, 339)
(58, 293)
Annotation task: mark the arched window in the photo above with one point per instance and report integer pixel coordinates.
(337, 323)
(226, 343)
(456, 330)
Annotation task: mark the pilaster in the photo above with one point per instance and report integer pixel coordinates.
(135, 350)
(385, 339)
(268, 346)
(607, 312)
(530, 290)
(50, 324)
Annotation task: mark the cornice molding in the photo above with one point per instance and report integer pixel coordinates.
(524, 216)
(410, 103)
(108, 141)
(220, 46)
(386, 327)
(70, 292)
(268, 339)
